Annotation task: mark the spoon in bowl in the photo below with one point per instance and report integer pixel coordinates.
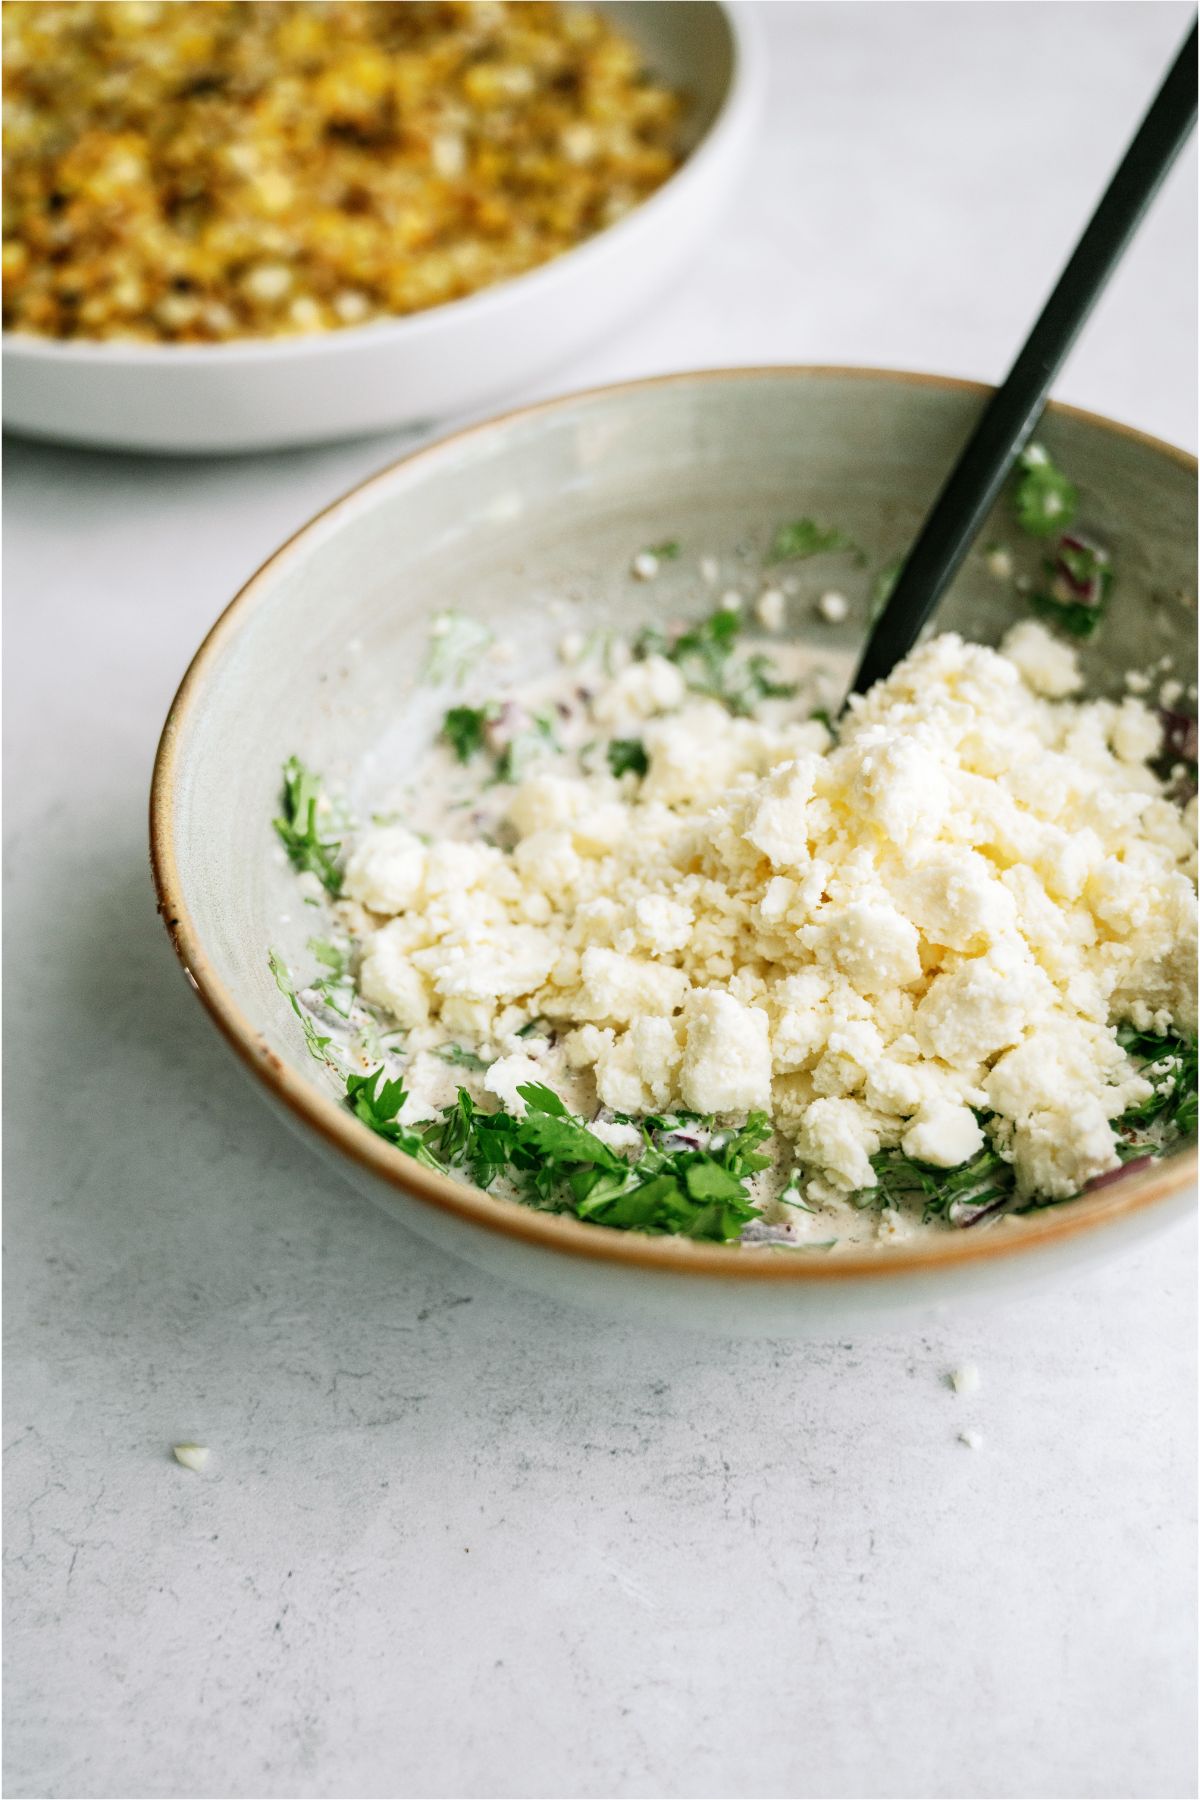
(1010, 416)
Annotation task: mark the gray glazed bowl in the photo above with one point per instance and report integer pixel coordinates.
(319, 655)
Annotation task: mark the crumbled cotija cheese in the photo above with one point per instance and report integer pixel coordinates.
(945, 912)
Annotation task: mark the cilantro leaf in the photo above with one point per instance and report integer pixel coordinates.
(1043, 499)
(704, 655)
(560, 1139)
(628, 755)
(1170, 1062)
(377, 1103)
(1070, 616)
(463, 729)
(960, 1196)
(804, 537)
(559, 1165)
(309, 849)
(1079, 578)
(462, 1059)
(336, 989)
(318, 1046)
(667, 552)
(517, 754)
(334, 957)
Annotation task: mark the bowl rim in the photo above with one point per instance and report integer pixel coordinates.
(734, 113)
(559, 1233)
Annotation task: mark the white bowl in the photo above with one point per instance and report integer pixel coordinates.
(319, 656)
(257, 394)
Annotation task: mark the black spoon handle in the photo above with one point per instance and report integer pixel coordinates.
(1014, 409)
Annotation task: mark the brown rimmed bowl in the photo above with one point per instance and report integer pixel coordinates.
(529, 523)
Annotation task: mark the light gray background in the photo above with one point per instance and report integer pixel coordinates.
(454, 1540)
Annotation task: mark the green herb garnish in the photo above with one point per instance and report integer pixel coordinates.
(310, 850)
(335, 988)
(1072, 616)
(462, 1059)
(318, 1046)
(463, 728)
(667, 552)
(627, 756)
(1043, 499)
(1169, 1062)
(1079, 578)
(558, 1165)
(377, 1103)
(804, 537)
(334, 957)
(514, 759)
(956, 1195)
(705, 656)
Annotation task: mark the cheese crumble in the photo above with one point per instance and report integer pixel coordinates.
(918, 934)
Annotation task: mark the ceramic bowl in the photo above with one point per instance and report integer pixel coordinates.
(263, 394)
(529, 524)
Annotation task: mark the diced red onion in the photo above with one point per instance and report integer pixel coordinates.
(964, 1216)
(1085, 591)
(1129, 1168)
(683, 1140)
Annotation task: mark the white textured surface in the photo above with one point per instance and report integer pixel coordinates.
(452, 1540)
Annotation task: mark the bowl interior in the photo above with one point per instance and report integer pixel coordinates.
(528, 525)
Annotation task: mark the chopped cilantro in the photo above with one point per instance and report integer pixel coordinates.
(463, 729)
(1170, 1063)
(462, 1059)
(704, 654)
(532, 1026)
(318, 1046)
(667, 552)
(1078, 579)
(1043, 499)
(377, 1103)
(959, 1196)
(309, 849)
(558, 1165)
(514, 759)
(336, 988)
(628, 756)
(804, 537)
(334, 957)
(1071, 616)
(821, 716)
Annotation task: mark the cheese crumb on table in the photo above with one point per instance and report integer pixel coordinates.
(966, 1379)
(192, 1456)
